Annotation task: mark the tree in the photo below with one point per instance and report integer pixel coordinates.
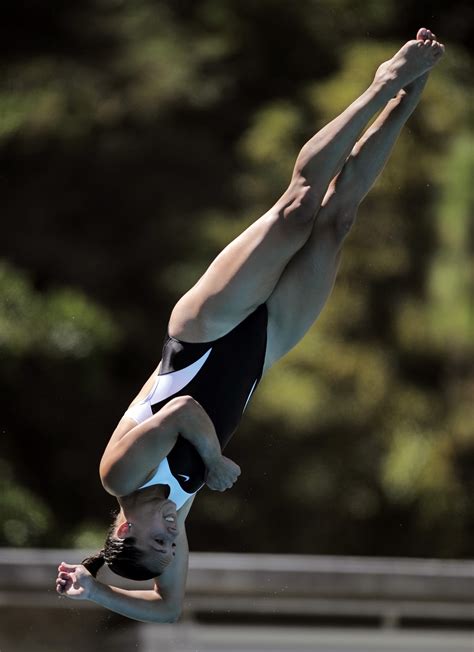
(135, 140)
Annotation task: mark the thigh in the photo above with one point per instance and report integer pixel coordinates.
(303, 289)
(241, 278)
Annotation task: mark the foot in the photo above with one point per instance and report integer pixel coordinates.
(413, 60)
(412, 91)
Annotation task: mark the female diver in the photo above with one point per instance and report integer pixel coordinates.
(253, 304)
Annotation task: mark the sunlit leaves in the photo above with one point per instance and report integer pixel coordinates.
(418, 463)
(172, 134)
(294, 395)
(61, 323)
(24, 518)
(87, 535)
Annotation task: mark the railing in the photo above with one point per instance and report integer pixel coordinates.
(390, 592)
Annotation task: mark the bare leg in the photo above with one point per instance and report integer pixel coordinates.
(245, 274)
(308, 279)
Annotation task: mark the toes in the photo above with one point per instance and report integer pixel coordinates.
(425, 34)
(438, 48)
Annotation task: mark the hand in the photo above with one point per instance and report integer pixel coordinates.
(222, 474)
(74, 581)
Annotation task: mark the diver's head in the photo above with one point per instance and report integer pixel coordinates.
(141, 541)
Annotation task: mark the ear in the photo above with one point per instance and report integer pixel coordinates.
(123, 530)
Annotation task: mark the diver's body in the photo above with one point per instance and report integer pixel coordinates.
(221, 375)
(266, 288)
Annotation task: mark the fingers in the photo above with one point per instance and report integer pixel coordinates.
(63, 576)
(69, 568)
(221, 485)
(229, 483)
(224, 475)
(62, 580)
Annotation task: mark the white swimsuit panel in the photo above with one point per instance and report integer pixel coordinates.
(165, 386)
(163, 475)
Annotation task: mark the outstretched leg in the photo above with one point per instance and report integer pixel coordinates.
(308, 279)
(245, 274)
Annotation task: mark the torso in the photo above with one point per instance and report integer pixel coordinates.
(221, 375)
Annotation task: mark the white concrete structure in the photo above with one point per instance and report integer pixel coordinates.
(249, 603)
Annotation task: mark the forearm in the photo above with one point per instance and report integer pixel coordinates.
(146, 606)
(196, 426)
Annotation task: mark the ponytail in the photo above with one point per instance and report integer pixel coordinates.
(94, 563)
(122, 557)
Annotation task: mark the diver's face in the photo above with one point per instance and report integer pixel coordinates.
(154, 526)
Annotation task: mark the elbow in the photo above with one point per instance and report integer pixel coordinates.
(107, 480)
(114, 483)
(174, 617)
(166, 611)
(174, 612)
(170, 615)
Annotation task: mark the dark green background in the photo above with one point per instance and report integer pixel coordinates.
(136, 139)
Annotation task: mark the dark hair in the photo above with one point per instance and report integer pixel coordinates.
(121, 556)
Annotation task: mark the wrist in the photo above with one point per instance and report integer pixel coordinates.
(93, 590)
(198, 429)
(211, 458)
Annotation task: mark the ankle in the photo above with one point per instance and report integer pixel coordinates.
(378, 94)
(386, 81)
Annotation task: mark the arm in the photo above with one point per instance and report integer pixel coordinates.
(127, 462)
(196, 426)
(162, 604)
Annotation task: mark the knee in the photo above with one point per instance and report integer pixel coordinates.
(343, 221)
(338, 214)
(298, 206)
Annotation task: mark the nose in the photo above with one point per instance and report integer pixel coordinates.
(166, 547)
(166, 543)
(166, 535)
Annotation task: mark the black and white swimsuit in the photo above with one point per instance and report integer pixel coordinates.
(221, 376)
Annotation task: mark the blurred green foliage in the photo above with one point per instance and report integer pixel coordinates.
(24, 517)
(60, 322)
(137, 139)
